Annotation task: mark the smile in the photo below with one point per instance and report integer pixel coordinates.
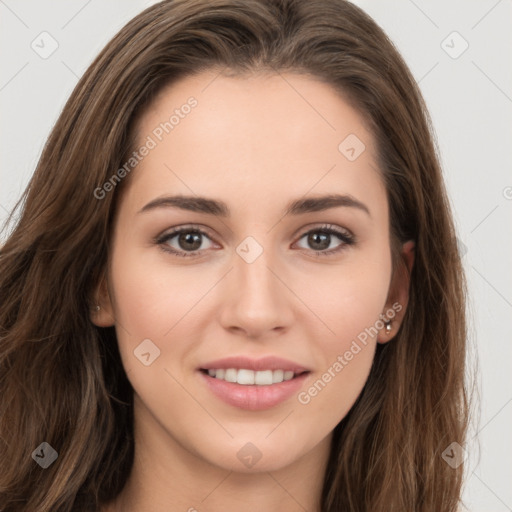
(249, 395)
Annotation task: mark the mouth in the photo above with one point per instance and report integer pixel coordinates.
(253, 384)
(247, 377)
(253, 390)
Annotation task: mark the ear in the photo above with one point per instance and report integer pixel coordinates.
(398, 296)
(102, 313)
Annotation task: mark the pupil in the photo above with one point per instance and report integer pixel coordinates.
(314, 239)
(189, 238)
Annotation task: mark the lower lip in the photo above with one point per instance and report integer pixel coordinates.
(254, 397)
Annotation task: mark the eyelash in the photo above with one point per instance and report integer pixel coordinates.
(347, 239)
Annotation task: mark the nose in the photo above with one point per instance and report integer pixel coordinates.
(257, 297)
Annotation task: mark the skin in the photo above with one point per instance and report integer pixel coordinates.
(255, 143)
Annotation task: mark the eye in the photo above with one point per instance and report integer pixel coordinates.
(189, 240)
(320, 238)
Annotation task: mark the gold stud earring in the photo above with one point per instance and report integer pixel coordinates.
(97, 307)
(388, 327)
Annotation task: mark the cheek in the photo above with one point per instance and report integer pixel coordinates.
(347, 299)
(157, 301)
(137, 296)
(147, 296)
(349, 303)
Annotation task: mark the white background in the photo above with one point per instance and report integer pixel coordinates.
(470, 101)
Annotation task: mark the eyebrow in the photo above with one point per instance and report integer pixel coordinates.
(220, 209)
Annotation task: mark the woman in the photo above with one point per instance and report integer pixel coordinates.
(263, 367)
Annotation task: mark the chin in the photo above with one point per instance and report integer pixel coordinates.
(251, 457)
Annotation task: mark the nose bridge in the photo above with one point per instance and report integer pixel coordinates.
(252, 268)
(258, 298)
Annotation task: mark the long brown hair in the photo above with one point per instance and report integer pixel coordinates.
(61, 377)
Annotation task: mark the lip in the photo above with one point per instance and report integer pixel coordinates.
(263, 363)
(253, 397)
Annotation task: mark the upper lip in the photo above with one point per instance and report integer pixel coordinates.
(262, 363)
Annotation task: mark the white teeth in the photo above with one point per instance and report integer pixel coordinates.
(264, 378)
(277, 376)
(230, 375)
(251, 377)
(245, 377)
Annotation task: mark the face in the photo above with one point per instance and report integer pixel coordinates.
(299, 290)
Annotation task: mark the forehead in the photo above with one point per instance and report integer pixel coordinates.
(263, 136)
